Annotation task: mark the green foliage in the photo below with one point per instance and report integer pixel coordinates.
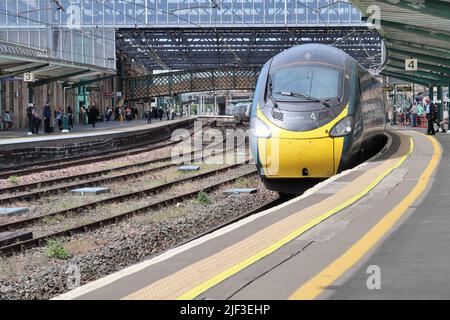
(50, 220)
(56, 250)
(203, 198)
(14, 180)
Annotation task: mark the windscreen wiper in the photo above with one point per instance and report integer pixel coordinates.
(303, 95)
(275, 104)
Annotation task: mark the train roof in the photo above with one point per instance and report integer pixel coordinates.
(318, 53)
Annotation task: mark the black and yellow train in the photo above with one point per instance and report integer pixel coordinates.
(316, 111)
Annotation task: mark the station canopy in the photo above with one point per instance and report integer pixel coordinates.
(16, 60)
(197, 48)
(413, 29)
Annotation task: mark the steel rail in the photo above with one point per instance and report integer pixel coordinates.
(21, 170)
(94, 182)
(40, 241)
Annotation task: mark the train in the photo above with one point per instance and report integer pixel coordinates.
(240, 111)
(316, 112)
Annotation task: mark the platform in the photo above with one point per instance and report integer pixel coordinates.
(103, 130)
(389, 215)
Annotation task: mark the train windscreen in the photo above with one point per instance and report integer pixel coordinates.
(305, 81)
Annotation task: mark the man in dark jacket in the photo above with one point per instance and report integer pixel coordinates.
(430, 111)
(47, 114)
(30, 120)
(93, 114)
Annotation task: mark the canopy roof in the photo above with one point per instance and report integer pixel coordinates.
(15, 60)
(417, 29)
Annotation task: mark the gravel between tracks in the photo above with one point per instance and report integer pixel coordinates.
(77, 169)
(32, 275)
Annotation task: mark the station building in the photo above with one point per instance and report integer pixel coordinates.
(78, 51)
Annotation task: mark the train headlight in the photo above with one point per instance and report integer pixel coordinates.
(260, 129)
(343, 127)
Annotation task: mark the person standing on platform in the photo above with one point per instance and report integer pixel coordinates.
(414, 114)
(70, 117)
(30, 120)
(82, 110)
(36, 121)
(121, 119)
(430, 111)
(8, 124)
(149, 115)
(47, 114)
(59, 118)
(109, 113)
(93, 114)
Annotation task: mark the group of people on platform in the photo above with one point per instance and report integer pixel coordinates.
(88, 116)
(158, 113)
(421, 110)
(35, 120)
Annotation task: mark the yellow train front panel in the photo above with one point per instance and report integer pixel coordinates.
(311, 154)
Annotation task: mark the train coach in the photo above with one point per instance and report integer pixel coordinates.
(316, 112)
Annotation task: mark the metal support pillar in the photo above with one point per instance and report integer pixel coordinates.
(448, 107)
(30, 94)
(49, 18)
(1, 103)
(440, 100)
(394, 111)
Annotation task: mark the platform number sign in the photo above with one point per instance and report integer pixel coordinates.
(28, 77)
(411, 64)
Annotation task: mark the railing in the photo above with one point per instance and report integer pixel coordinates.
(402, 101)
(172, 83)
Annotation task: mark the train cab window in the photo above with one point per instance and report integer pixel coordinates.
(316, 81)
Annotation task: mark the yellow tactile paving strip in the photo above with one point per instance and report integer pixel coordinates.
(195, 279)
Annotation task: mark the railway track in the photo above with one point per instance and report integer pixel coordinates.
(33, 195)
(85, 182)
(42, 240)
(39, 241)
(25, 169)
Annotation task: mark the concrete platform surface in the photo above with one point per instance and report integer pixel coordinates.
(333, 242)
(102, 130)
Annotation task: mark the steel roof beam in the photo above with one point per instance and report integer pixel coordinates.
(415, 44)
(434, 8)
(421, 56)
(17, 72)
(436, 34)
(427, 51)
(420, 74)
(401, 76)
(86, 82)
(423, 66)
(63, 77)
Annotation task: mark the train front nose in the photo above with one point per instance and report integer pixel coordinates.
(298, 158)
